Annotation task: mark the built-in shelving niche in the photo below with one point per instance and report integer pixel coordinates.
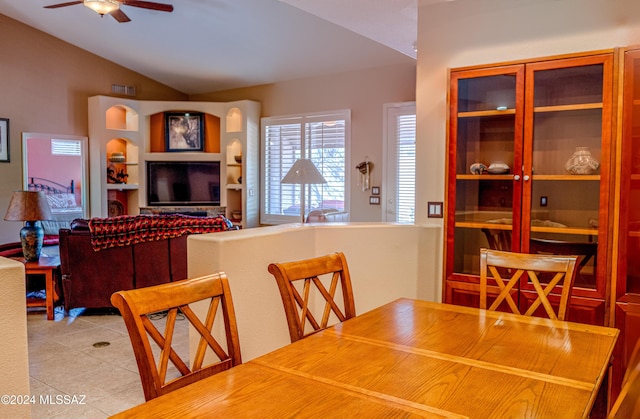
(157, 132)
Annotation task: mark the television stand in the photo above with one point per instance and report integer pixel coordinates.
(193, 211)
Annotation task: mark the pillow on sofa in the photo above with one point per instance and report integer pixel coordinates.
(61, 201)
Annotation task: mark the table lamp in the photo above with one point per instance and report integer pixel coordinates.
(303, 172)
(30, 207)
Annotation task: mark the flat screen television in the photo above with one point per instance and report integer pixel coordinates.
(189, 183)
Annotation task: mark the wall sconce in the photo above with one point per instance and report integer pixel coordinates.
(365, 173)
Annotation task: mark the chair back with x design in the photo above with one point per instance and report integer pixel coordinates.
(500, 263)
(139, 306)
(301, 282)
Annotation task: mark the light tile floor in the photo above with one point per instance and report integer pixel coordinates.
(65, 360)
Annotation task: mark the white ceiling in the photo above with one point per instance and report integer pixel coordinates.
(210, 45)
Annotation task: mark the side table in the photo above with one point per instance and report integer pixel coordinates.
(47, 266)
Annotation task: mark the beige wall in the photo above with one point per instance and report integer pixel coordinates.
(45, 84)
(14, 362)
(364, 92)
(386, 261)
(472, 32)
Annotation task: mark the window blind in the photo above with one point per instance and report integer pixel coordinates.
(319, 137)
(65, 147)
(406, 154)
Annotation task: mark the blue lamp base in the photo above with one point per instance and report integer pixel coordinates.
(31, 238)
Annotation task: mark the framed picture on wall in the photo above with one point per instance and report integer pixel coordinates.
(184, 131)
(4, 140)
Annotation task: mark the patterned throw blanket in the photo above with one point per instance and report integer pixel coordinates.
(126, 230)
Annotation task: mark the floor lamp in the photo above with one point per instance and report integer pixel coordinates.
(303, 172)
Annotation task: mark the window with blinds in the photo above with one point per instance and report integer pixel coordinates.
(323, 139)
(406, 155)
(400, 162)
(66, 147)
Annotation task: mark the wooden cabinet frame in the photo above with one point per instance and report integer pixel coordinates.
(523, 177)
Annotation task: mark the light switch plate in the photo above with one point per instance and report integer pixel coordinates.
(435, 209)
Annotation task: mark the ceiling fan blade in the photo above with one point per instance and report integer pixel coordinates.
(120, 16)
(147, 5)
(70, 3)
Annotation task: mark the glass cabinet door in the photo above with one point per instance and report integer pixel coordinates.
(627, 289)
(486, 126)
(630, 183)
(566, 171)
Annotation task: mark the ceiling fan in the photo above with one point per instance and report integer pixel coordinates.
(112, 7)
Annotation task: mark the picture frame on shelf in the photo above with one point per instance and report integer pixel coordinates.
(4, 140)
(184, 131)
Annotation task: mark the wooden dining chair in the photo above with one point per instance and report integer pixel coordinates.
(586, 252)
(498, 239)
(627, 405)
(562, 268)
(295, 280)
(140, 305)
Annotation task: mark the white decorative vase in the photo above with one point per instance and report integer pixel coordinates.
(582, 162)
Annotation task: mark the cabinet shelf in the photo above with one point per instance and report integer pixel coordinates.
(567, 177)
(476, 224)
(234, 186)
(568, 230)
(492, 112)
(485, 177)
(576, 107)
(537, 229)
(535, 177)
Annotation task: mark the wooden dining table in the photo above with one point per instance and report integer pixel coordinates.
(411, 358)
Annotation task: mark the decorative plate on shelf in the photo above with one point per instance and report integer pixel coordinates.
(498, 168)
(115, 208)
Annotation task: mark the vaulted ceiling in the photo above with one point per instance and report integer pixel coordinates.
(211, 45)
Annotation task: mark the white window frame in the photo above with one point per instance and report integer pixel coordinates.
(390, 161)
(302, 119)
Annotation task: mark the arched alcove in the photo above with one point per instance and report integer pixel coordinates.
(234, 120)
(121, 117)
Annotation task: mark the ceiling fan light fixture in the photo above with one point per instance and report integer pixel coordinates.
(102, 7)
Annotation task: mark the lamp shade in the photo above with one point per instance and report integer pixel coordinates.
(303, 172)
(28, 206)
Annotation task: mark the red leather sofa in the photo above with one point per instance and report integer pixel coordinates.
(90, 276)
(11, 249)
